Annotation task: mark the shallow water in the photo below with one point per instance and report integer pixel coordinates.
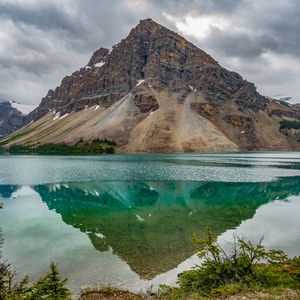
(127, 220)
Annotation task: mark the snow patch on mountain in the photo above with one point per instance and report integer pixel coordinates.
(99, 64)
(140, 82)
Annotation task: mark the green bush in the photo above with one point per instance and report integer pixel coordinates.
(50, 287)
(248, 265)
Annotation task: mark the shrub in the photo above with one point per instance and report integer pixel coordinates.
(50, 287)
(247, 265)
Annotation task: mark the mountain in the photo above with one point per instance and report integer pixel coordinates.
(11, 118)
(157, 92)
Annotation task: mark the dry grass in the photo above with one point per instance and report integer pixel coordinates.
(272, 294)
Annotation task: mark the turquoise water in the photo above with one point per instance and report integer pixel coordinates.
(127, 220)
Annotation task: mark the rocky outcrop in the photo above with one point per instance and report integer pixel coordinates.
(157, 92)
(205, 109)
(246, 127)
(10, 119)
(145, 103)
(294, 133)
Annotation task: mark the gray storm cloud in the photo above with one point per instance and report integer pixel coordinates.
(42, 41)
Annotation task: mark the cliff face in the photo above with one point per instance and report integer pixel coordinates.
(11, 119)
(150, 52)
(157, 92)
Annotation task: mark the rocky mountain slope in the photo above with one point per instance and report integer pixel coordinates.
(157, 92)
(11, 119)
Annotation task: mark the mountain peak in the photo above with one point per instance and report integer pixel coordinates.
(98, 56)
(151, 53)
(148, 23)
(155, 91)
(146, 27)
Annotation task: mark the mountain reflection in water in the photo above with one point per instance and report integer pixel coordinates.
(150, 224)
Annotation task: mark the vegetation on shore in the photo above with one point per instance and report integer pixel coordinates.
(254, 294)
(247, 268)
(50, 286)
(96, 146)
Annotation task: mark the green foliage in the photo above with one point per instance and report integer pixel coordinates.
(229, 289)
(167, 292)
(247, 266)
(289, 124)
(51, 287)
(19, 149)
(18, 134)
(96, 146)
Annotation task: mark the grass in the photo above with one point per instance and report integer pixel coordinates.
(247, 294)
(109, 293)
(18, 135)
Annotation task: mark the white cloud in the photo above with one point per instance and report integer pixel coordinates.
(200, 26)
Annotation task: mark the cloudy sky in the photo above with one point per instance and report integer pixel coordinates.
(42, 41)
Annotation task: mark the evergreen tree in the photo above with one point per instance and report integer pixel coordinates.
(51, 286)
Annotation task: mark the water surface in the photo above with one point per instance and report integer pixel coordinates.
(127, 220)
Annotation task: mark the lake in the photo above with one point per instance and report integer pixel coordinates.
(128, 220)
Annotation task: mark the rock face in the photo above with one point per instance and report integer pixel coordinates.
(157, 92)
(151, 52)
(11, 119)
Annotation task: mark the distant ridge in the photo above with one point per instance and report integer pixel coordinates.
(12, 116)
